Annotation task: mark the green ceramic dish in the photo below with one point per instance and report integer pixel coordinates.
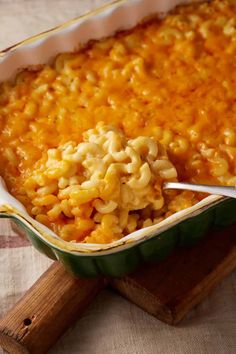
(123, 259)
(150, 244)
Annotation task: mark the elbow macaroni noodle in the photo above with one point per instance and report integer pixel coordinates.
(106, 178)
(166, 86)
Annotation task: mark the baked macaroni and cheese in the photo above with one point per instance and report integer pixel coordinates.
(87, 142)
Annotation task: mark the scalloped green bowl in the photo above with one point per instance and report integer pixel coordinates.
(118, 263)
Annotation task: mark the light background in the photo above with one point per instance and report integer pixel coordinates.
(111, 325)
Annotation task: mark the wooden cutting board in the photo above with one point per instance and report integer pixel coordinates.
(167, 290)
(170, 289)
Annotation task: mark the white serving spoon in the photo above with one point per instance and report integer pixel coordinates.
(217, 190)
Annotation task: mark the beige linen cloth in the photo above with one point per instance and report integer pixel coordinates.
(111, 325)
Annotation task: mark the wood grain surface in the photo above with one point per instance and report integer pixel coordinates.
(170, 289)
(46, 311)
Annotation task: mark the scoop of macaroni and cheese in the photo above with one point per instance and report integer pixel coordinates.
(101, 185)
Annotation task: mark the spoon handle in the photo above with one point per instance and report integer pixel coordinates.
(217, 190)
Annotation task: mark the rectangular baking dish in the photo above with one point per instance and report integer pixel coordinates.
(150, 244)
